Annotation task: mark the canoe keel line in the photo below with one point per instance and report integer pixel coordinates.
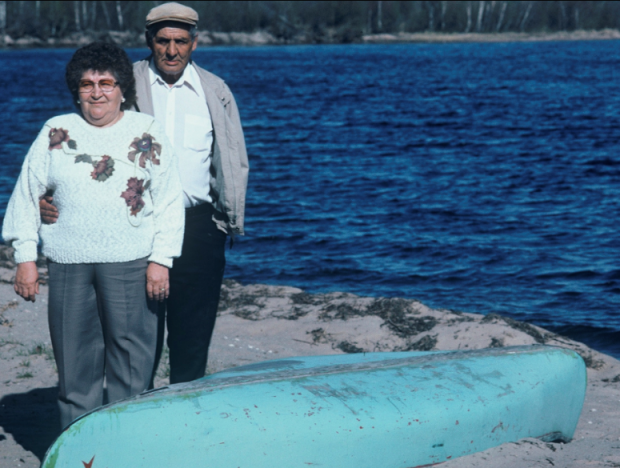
(375, 410)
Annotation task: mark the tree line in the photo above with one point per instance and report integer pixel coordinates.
(347, 19)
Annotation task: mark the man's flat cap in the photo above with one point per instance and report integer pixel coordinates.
(172, 12)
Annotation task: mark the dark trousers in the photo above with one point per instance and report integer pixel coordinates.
(195, 282)
(100, 325)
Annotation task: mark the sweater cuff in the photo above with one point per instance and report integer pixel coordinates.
(164, 261)
(26, 252)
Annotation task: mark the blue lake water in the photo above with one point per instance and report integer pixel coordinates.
(477, 177)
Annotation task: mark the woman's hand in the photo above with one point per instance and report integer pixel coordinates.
(157, 284)
(27, 280)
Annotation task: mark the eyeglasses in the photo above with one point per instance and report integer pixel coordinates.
(106, 86)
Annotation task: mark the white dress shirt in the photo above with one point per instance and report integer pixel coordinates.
(183, 112)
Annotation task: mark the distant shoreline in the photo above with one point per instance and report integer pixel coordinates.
(441, 38)
(263, 38)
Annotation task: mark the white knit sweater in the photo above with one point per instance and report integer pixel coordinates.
(117, 190)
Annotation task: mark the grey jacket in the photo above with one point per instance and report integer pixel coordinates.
(229, 166)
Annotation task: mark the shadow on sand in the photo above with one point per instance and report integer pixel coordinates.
(32, 418)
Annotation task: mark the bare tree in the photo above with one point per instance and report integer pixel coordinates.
(444, 7)
(379, 16)
(54, 28)
(93, 13)
(489, 15)
(480, 15)
(2, 21)
(468, 28)
(526, 16)
(84, 14)
(76, 11)
(576, 13)
(502, 12)
(563, 16)
(37, 10)
(431, 16)
(119, 15)
(106, 13)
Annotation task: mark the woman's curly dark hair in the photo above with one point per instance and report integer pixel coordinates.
(102, 57)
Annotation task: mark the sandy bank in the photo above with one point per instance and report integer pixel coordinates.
(260, 322)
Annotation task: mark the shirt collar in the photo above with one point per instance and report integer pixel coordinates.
(189, 78)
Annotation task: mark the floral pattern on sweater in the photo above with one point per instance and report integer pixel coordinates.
(147, 148)
(133, 195)
(57, 137)
(103, 168)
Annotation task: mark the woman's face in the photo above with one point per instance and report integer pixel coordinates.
(100, 108)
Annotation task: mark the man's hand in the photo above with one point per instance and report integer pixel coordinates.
(49, 213)
(157, 285)
(27, 280)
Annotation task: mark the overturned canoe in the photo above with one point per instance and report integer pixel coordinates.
(358, 410)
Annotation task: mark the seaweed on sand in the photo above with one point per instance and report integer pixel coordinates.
(396, 313)
(242, 300)
(398, 316)
(408, 326)
(389, 308)
(426, 343)
(521, 326)
(4, 321)
(343, 311)
(319, 335)
(247, 314)
(496, 343)
(224, 298)
(245, 306)
(590, 362)
(295, 314)
(349, 348)
(304, 298)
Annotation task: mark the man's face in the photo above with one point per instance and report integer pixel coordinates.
(172, 48)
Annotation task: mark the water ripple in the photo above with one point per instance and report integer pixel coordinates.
(475, 177)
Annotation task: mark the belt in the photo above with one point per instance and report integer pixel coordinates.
(198, 210)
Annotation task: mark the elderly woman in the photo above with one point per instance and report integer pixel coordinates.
(114, 178)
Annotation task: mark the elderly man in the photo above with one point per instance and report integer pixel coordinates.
(201, 120)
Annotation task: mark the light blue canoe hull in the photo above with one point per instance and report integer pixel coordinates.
(362, 410)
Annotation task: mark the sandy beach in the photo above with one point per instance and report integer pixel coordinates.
(261, 322)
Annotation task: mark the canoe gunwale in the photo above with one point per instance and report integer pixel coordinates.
(211, 384)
